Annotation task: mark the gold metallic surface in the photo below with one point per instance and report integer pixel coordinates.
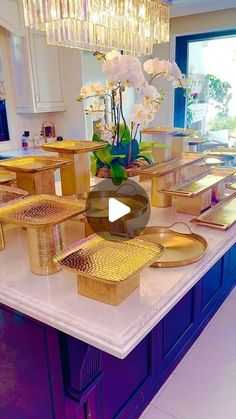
(2, 241)
(194, 206)
(169, 130)
(32, 164)
(194, 187)
(222, 216)
(6, 177)
(158, 198)
(41, 211)
(73, 146)
(9, 194)
(75, 178)
(161, 169)
(37, 183)
(43, 245)
(180, 248)
(109, 258)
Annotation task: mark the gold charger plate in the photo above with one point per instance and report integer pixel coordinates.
(194, 187)
(180, 248)
(41, 211)
(73, 146)
(161, 169)
(32, 164)
(109, 258)
(222, 216)
(6, 177)
(9, 194)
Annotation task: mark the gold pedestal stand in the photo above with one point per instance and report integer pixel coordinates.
(35, 174)
(106, 292)
(43, 245)
(158, 198)
(75, 179)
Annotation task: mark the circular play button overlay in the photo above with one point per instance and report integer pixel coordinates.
(122, 210)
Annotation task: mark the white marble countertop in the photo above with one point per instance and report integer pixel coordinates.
(117, 330)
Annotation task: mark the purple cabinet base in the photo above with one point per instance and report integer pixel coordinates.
(46, 374)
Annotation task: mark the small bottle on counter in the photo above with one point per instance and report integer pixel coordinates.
(25, 140)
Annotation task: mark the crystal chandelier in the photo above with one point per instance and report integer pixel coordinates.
(130, 25)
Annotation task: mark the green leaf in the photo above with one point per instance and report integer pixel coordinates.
(93, 165)
(96, 137)
(104, 154)
(160, 145)
(124, 134)
(118, 173)
(146, 145)
(148, 157)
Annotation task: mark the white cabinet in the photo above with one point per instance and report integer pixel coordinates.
(38, 74)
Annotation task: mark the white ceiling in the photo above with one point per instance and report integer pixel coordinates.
(190, 7)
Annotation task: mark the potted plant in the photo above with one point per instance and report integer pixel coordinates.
(123, 149)
(220, 94)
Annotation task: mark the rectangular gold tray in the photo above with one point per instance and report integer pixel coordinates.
(224, 150)
(197, 185)
(169, 130)
(6, 177)
(41, 211)
(32, 164)
(9, 194)
(222, 216)
(161, 169)
(109, 258)
(73, 146)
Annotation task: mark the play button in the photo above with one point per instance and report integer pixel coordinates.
(122, 210)
(117, 210)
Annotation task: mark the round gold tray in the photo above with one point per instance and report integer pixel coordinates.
(180, 248)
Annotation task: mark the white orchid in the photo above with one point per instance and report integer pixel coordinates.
(126, 70)
(96, 110)
(149, 94)
(113, 54)
(141, 115)
(106, 131)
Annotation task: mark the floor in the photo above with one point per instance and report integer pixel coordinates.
(203, 386)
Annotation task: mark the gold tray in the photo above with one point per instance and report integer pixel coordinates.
(219, 159)
(6, 177)
(41, 211)
(224, 150)
(194, 187)
(109, 258)
(32, 164)
(161, 169)
(73, 146)
(222, 216)
(169, 130)
(9, 194)
(180, 249)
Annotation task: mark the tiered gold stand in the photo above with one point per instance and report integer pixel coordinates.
(165, 175)
(108, 268)
(8, 195)
(35, 174)
(196, 195)
(41, 215)
(75, 178)
(174, 141)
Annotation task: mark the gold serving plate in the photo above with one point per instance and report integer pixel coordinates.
(6, 177)
(180, 248)
(73, 146)
(222, 216)
(169, 130)
(33, 164)
(108, 267)
(9, 194)
(219, 159)
(42, 211)
(41, 215)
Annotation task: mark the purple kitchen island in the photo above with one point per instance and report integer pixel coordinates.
(64, 356)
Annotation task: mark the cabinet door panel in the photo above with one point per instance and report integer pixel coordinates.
(26, 392)
(47, 71)
(211, 284)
